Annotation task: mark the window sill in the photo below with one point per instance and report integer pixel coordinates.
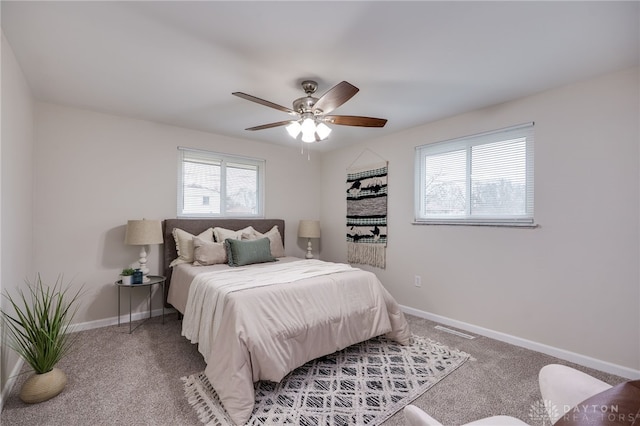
(495, 225)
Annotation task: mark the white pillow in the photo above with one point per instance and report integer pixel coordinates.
(184, 244)
(208, 253)
(275, 239)
(222, 234)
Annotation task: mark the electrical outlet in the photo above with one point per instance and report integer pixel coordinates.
(417, 281)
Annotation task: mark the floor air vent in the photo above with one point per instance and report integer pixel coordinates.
(456, 332)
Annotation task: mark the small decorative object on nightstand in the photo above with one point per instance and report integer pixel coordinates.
(142, 233)
(309, 229)
(126, 276)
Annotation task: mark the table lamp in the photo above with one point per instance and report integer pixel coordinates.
(309, 229)
(142, 233)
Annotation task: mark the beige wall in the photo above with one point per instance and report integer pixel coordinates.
(94, 171)
(16, 196)
(573, 283)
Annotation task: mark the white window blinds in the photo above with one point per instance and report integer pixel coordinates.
(479, 179)
(219, 185)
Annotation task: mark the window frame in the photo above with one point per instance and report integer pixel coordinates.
(525, 130)
(213, 156)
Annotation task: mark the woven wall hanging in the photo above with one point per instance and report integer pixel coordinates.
(367, 214)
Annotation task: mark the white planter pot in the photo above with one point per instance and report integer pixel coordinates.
(126, 279)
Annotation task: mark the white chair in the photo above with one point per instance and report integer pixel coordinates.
(564, 387)
(416, 417)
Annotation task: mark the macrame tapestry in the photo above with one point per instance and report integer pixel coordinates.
(367, 215)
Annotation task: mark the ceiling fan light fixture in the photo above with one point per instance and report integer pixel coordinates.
(308, 128)
(323, 131)
(294, 129)
(308, 137)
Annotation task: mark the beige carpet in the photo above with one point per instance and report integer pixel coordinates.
(119, 379)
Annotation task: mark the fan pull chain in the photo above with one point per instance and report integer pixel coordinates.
(302, 144)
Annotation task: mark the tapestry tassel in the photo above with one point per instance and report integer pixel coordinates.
(367, 254)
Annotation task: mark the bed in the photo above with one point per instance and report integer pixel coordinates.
(260, 321)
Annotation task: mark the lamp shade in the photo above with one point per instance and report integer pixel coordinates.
(143, 232)
(309, 229)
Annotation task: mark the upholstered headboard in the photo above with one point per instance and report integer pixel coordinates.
(196, 226)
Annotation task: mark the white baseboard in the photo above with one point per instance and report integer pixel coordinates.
(579, 359)
(90, 325)
(124, 320)
(8, 386)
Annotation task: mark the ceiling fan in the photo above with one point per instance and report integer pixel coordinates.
(311, 113)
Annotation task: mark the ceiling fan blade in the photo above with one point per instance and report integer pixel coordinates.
(270, 125)
(354, 120)
(265, 103)
(336, 96)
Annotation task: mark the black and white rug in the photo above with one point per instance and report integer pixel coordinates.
(364, 384)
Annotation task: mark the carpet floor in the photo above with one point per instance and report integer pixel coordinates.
(115, 378)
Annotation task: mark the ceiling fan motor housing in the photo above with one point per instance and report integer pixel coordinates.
(302, 105)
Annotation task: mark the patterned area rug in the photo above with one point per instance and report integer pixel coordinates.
(364, 384)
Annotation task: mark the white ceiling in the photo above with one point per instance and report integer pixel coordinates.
(177, 62)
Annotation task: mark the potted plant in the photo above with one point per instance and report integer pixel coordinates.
(38, 331)
(126, 275)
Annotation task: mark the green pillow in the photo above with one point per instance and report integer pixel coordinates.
(247, 252)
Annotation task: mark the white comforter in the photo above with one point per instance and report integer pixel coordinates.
(261, 322)
(202, 320)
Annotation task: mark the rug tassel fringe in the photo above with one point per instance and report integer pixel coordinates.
(207, 413)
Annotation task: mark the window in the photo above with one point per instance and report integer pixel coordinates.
(485, 179)
(219, 185)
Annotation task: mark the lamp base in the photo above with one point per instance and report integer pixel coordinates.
(309, 255)
(143, 264)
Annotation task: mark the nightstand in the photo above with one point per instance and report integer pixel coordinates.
(153, 280)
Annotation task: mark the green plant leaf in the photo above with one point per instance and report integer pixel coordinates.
(38, 331)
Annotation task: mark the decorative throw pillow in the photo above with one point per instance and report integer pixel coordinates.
(277, 248)
(184, 244)
(208, 253)
(222, 234)
(247, 252)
